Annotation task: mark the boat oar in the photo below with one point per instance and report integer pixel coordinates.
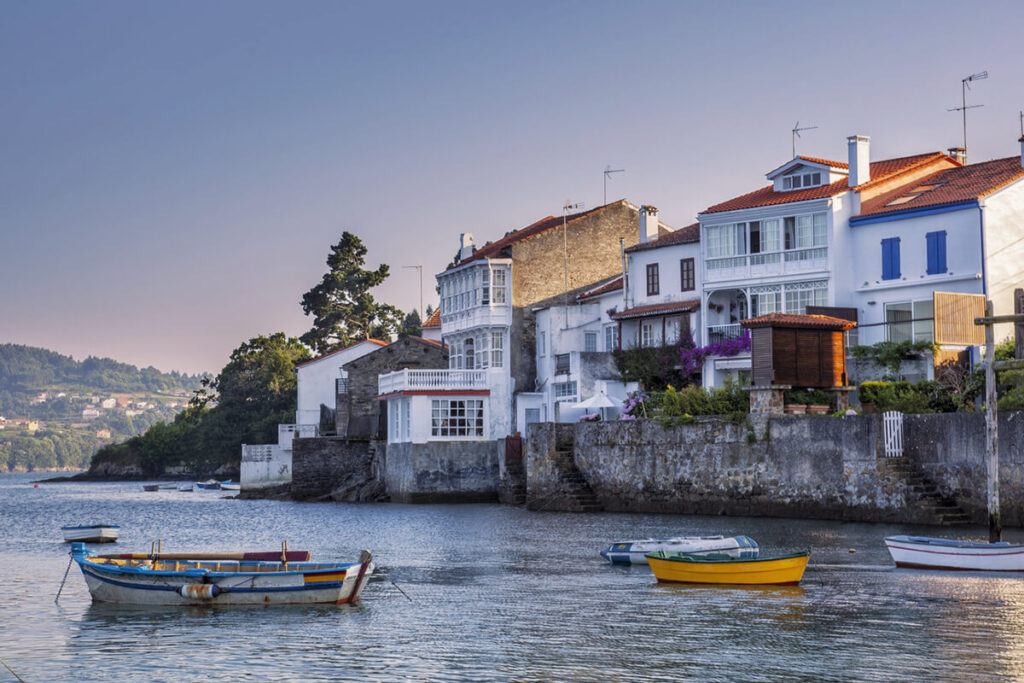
(70, 560)
(271, 556)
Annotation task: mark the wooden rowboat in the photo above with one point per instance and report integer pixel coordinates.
(921, 552)
(673, 567)
(633, 552)
(220, 578)
(92, 533)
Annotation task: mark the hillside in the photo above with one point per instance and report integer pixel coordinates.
(55, 411)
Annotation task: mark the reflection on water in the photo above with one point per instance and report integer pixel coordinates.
(491, 593)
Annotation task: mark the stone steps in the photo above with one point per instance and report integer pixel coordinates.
(945, 509)
(581, 496)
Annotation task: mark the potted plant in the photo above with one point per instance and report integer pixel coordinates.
(817, 402)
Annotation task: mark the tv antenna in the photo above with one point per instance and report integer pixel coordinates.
(796, 134)
(964, 87)
(608, 170)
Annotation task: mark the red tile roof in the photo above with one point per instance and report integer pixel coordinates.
(656, 309)
(687, 235)
(818, 322)
(610, 286)
(495, 249)
(948, 186)
(328, 355)
(826, 162)
(433, 320)
(881, 171)
(427, 342)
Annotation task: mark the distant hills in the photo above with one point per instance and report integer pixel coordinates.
(56, 411)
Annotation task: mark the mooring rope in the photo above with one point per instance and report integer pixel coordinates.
(70, 560)
(12, 671)
(400, 590)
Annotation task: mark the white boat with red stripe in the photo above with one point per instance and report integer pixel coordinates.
(922, 552)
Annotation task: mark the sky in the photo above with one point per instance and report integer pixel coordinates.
(173, 175)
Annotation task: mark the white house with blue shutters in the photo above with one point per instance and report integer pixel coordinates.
(877, 237)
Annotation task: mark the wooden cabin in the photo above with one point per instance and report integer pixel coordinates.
(797, 350)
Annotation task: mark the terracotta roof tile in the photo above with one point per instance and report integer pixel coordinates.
(826, 162)
(948, 186)
(820, 322)
(881, 171)
(610, 286)
(433, 320)
(657, 309)
(687, 235)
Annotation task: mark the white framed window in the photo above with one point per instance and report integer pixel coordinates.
(910, 321)
(498, 286)
(497, 349)
(406, 429)
(646, 334)
(590, 341)
(803, 294)
(564, 391)
(799, 180)
(485, 286)
(455, 354)
(611, 337)
(457, 417)
(483, 357)
(543, 344)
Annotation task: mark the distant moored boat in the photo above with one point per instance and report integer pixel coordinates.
(92, 533)
(922, 552)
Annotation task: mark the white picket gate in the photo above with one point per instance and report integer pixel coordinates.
(892, 422)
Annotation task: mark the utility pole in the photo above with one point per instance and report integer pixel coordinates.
(420, 269)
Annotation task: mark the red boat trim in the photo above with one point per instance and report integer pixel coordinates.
(354, 597)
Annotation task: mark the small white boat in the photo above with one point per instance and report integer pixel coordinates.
(92, 533)
(185, 487)
(633, 552)
(228, 486)
(220, 578)
(921, 552)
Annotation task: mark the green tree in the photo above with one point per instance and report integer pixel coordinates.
(412, 324)
(342, 307)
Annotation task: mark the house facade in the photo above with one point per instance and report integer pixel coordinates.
(318, 379)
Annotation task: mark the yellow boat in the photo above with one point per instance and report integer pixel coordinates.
(676, 567)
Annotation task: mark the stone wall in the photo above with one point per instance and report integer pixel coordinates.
(442, 471)
(338, 469)
(810, 467)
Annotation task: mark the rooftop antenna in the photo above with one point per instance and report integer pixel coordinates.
(608, 170)
(964, 87)
(796, 134)
(569, 206)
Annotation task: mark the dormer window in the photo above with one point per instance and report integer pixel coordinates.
(800, 180)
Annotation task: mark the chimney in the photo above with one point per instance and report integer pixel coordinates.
(959, 154)
(1021, 141)
(860, 159)
(648, 223)
(466, 245)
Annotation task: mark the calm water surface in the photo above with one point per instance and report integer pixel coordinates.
(494, 593)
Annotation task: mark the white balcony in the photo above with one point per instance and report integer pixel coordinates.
(719, 333)
(431, 380)
(760, 265)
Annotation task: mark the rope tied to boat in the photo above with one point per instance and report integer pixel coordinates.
(13, 673)
(71, 558)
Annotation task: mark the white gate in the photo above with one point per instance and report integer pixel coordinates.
(892, 422)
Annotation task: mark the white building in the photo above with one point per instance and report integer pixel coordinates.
(317, 379)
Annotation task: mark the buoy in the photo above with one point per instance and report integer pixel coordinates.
(853, 550)
(35, 486)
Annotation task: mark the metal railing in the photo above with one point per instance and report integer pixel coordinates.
(424, 380)
(718, 333)
(341, 385)
(771, 263)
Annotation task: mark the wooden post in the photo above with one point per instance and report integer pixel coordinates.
(1018, 328)
(991, 431)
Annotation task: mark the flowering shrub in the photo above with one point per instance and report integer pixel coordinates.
(590, 417)
(692, 357)
(634, 406)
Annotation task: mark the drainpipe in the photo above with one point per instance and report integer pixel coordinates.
(981, 227)
(625, 282)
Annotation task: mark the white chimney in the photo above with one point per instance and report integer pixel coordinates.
(1021, 141)
(648, 223)
(958, 153)
(465, 245)
(860, 159)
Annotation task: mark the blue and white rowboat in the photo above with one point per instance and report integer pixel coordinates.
(922, 552)
(633, 552)
(167, 581)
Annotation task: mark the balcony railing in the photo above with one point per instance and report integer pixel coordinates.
(431, 380)
(718, 333)
(341, 385)
(773, 263)
(287, 432)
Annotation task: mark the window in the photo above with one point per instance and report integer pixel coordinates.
(469, 354)
(498, 286)
(891, 258)
(590, 341)
(727, 240)
(497, 349)
(795, 182)
(532, 416)
(457, 417)
(804, 294)
(646, 334)
(564, 391)
(611, 337)
(765, 300)
(543, 344)
(406, 429)
(686, 273)
(483, 358)
(562, 364)
(910, 321)
(652, 279)
(485, 286)
(455, 355)
(936, 242)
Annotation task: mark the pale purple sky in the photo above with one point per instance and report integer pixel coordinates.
(172, 175)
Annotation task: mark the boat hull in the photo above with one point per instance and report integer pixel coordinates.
(920, 552)
(680, 568)
(633, 552)
(307, 583)
(98, 533)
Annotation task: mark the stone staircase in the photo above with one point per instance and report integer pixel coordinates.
(512, 488)
(944, 509)
(579, 496)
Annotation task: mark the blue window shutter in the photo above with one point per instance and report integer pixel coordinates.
(891, 258)
(896, 257)
(933, 252)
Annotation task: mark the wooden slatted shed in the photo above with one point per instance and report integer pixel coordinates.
(798, 350)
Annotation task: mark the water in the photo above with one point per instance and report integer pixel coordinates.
(497, 593)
